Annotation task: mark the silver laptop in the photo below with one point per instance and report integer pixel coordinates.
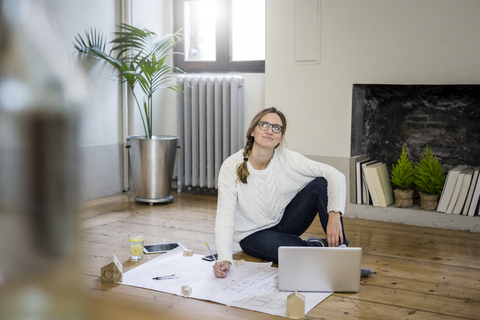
(319, 269)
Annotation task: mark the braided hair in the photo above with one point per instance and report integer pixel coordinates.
(242, 168)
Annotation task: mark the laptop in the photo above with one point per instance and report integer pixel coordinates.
(322, 269)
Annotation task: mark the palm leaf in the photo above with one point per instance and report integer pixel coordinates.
(140, 57)
(95, 40)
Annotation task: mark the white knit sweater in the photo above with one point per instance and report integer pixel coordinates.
(246, 208)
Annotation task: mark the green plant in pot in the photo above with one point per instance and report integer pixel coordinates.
(402, 177)
(429, 179)
(140, 58)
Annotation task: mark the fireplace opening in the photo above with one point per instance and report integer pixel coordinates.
(447, 117)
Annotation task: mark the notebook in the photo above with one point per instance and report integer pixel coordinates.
(319, 269)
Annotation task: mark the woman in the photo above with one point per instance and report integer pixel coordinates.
(269, 196)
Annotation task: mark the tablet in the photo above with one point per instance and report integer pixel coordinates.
(156, 248)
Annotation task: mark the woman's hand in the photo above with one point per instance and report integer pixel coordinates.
(334, 229)
(222, 272)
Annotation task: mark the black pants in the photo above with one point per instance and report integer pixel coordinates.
(297, 218)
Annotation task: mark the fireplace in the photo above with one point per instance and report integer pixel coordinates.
(447, 117)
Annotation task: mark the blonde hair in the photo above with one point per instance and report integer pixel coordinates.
(242, 168)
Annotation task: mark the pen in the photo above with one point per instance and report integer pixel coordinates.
(216, 261)
(165, 278)
(170, 276)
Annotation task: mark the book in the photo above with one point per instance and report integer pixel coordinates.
(386, 184)
(476, 212)
(355, 182)
(366, 197)
(475, 198)
(448, 187)
(462, 195)
(383, 188)
(456, 191)
(367, 170)
(468, 201)
(361, 188)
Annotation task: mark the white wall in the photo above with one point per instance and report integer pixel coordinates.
(101, 131)
(365, 41)
(69, 18)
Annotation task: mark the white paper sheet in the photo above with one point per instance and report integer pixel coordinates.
(253, 286)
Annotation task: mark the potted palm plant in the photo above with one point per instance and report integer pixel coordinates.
(140, 58)
(429, 179)
(402, 179)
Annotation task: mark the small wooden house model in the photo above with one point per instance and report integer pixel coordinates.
(296, 306)
(112, 271)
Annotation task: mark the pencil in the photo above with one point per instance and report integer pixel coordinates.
(216, 261)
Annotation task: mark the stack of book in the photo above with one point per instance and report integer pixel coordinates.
(461, 191)
(371, 182)
(371, 185)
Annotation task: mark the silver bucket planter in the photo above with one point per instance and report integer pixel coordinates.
(152, 162)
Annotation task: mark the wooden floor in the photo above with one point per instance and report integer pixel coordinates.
(422, 273)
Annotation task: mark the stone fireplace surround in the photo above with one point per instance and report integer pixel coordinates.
(447, 117)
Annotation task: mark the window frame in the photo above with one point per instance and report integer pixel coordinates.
(223, 41)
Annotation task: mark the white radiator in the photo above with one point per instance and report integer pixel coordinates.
(210, 126)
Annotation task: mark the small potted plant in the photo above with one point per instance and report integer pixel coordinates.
(429, 179)
(402, 177)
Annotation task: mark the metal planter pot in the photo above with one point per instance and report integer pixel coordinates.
(152, 162)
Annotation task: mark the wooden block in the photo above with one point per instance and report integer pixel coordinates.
(112, 271)
(296, 306)
(186, 290)
(240, 262)
(187, 252)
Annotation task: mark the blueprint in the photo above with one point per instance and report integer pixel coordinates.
(253, 286)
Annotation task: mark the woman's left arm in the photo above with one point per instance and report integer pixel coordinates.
(336, 184)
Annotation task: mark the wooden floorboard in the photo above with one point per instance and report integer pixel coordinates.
(421, 273)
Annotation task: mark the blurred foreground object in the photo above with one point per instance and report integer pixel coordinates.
(41, 95)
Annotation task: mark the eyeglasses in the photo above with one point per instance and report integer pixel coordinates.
(264, 126)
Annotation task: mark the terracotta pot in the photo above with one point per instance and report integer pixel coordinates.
(403, 198)
(428, 202)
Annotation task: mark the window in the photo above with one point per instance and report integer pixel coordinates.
(220, 35)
